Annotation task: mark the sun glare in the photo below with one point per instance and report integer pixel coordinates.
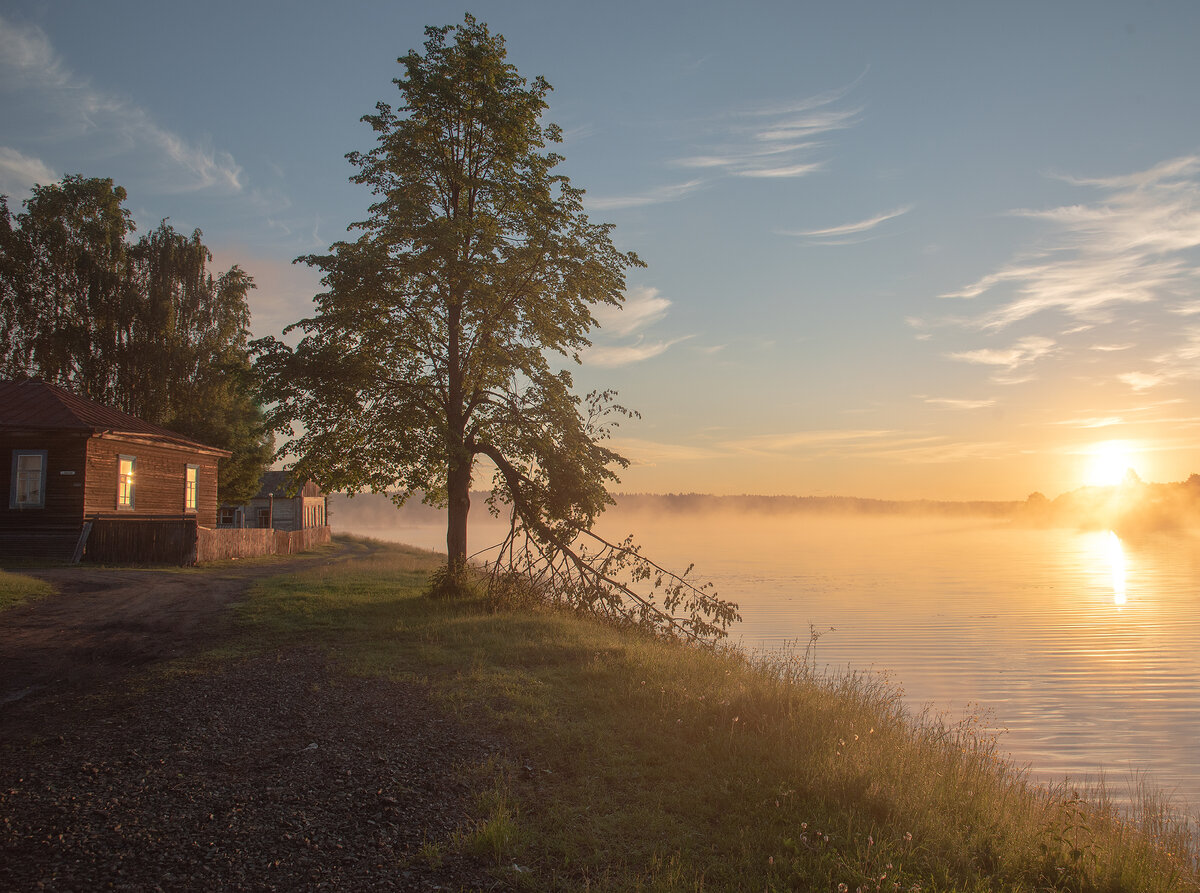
(1109, 461)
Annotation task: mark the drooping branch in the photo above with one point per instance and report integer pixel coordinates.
(571, 564)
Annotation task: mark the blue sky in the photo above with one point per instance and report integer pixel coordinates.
(942, 250)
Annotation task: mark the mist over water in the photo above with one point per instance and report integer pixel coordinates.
(1078, 646)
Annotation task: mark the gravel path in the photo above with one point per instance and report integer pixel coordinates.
(265, 773)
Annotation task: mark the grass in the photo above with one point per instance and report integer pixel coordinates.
(17, 589)
(633, 763)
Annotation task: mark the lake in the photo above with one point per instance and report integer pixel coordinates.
(1081, 649)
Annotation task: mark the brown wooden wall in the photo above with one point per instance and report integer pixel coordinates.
(158, 479)
(141, 541)
(65, 475)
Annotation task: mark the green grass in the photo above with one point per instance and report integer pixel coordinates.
(17, 589)
(633, 763)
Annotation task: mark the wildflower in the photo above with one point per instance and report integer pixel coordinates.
(804, 826)
(870, 841)
(842, 888)
(908, 836)
(770, 860)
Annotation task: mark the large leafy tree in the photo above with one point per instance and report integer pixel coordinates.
(143, 326)
(431, 350)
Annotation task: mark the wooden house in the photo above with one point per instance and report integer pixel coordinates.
(280, 504)
(66, 462)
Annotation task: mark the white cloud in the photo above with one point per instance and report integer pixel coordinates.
(1023, 352)
(657, 196)
(790, 170)
(774, 141)
(1093, 422)
(1131, 247)
(958, 404)
(1141, 381)
(849, 229)
(642, 308)
(19, 173)
(608, 356)
(92, 121)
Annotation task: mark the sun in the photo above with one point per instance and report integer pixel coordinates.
(1109, 461)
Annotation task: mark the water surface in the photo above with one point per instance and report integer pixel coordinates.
(1081, 649)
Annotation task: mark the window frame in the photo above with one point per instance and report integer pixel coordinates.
(132, 503)
(191, 488)
(15, 483)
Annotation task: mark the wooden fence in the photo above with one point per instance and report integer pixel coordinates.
(141, 541)
(184, 542)
(215, 545)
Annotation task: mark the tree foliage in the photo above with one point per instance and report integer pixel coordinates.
(430, 351)
(141, 326)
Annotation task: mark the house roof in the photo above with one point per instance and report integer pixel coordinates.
(280, 484)
(31, 404)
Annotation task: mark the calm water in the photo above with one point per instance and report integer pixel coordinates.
(1082, 648)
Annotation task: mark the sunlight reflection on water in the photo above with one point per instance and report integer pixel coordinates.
(1080, 648)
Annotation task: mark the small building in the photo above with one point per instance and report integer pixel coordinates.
(279, 505)
(67, 462)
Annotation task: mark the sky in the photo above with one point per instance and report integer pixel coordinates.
(938, 250)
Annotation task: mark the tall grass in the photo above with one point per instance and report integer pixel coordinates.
(634, 763)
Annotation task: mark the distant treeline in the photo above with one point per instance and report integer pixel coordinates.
(378, 510)
(1130, 507)
(850, 505)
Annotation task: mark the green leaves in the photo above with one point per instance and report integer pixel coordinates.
(142, 326)
(430, 346)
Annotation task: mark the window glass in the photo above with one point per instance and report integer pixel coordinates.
(189, 488)
(30, 480)
(125, 482)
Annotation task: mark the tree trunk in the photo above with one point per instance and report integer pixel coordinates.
(458, 485)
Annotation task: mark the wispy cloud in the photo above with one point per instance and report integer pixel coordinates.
(1141, 381)
(802, 441)
(642, 308)
(1022, 353)
(1110, 277)
(770, 141)
(19, 173)
(1130, 247)
(774, 141)
(837, 235)
(611, 355)
(958, 403)
(656, 196)
(1092, 422)
(91, 120)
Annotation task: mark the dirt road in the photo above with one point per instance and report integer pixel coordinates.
(104, 621)
(273, 771)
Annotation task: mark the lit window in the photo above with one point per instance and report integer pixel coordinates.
(189, 488)
(28, 480)
(125, 482)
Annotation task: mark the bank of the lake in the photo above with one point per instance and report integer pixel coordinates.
(628, 763)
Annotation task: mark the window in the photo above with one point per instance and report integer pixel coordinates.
(191, 476)
(125, 465)
(228, 516)
(28, 480)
